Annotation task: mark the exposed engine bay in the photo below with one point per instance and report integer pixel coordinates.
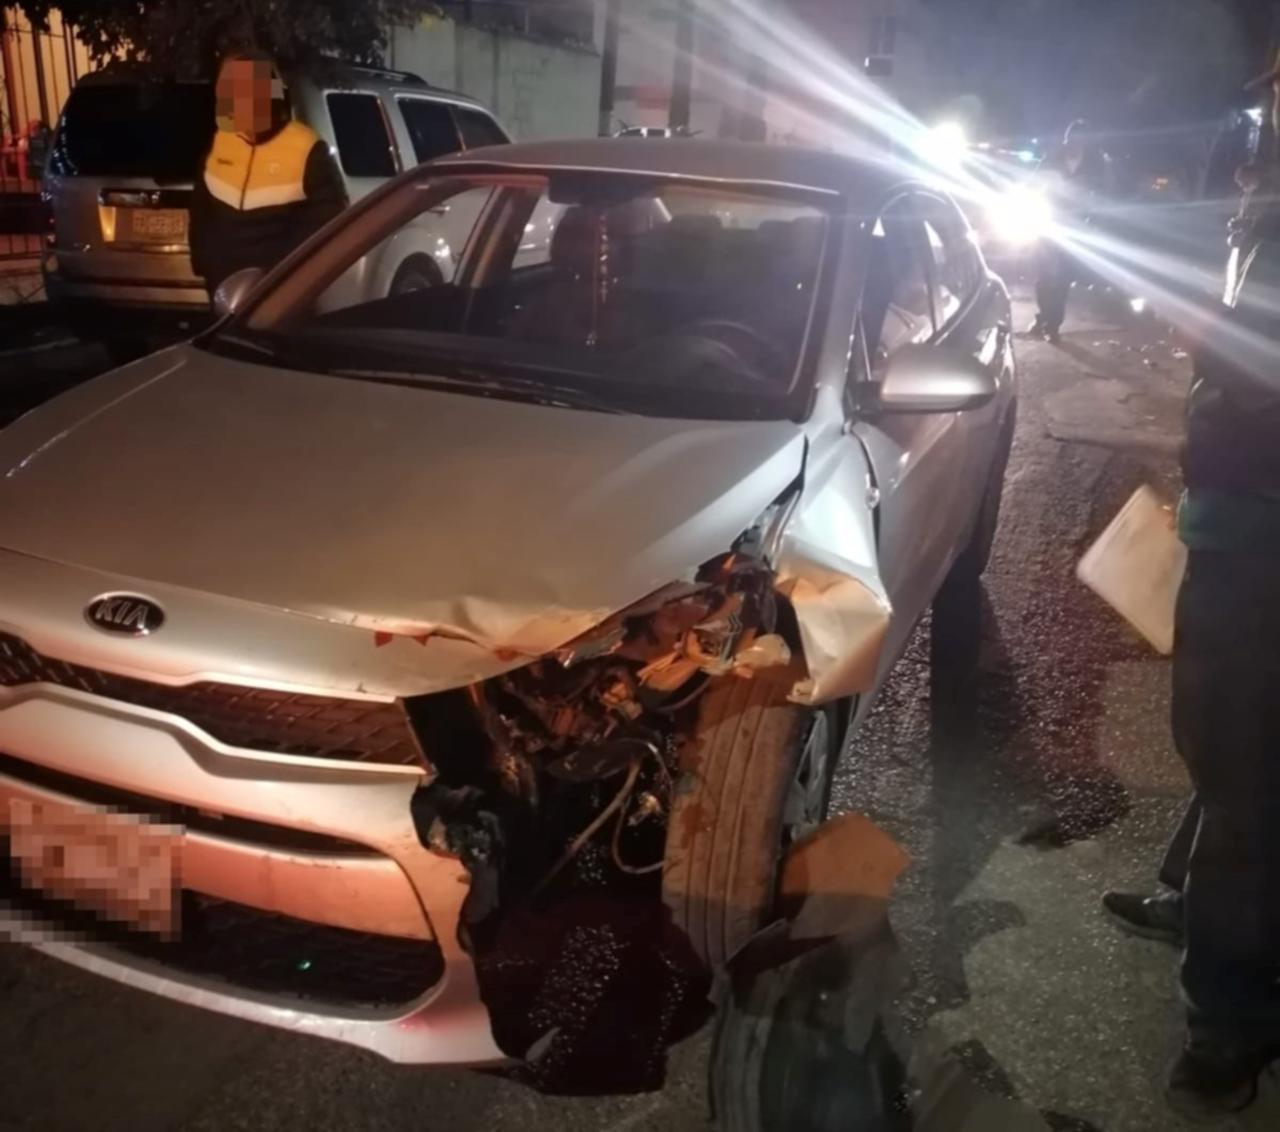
(557, 803)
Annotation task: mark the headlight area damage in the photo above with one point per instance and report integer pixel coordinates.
(564, 787)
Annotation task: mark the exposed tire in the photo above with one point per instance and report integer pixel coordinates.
(729, 819)
(417, 273)
(785, 1056)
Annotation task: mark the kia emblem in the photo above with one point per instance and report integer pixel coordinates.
(126, 614)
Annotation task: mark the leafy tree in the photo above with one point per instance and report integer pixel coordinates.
(189, 36)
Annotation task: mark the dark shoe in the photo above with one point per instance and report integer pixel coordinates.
(1151, 917)
(1212, 1080)
(1037, 328)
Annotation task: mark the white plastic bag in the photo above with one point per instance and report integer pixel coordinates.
(1137, 565)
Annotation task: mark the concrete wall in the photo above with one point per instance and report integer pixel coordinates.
(539, 89)
(749, 84)
(646, 64)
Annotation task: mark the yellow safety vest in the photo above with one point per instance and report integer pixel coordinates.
(247, 176)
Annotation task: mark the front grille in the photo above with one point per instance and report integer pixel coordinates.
(256, 951)
(261, 719)
(247, 830)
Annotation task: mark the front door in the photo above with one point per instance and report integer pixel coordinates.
(917, 459)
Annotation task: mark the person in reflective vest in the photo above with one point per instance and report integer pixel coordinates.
(268, 182)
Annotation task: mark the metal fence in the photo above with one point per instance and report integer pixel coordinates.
(37, 71)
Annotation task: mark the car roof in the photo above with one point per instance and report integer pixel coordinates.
(694, 158)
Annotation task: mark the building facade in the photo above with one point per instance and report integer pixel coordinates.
(790, 70)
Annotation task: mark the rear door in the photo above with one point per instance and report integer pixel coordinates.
(429, 126)
(433, 244)
(120, 175)
(435, 127)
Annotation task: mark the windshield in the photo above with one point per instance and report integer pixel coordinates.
(156, 130)
(661, 297)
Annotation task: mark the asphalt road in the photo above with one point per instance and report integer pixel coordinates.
(1069, 787)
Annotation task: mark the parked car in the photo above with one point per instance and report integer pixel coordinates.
(127, 149)
(331, 638)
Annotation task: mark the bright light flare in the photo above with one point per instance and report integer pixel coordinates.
(1021, 216)
(1138, 305)
(944, 145)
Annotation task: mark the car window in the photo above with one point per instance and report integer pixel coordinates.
(478, 129)
(431, 128)
(360, 129)
(896, 306)
(422, 253)
(948, 289)
(954, 261)
(157, 130)
(535, 244)
(646, 295)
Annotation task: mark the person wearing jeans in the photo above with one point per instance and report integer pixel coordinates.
(1222, 869)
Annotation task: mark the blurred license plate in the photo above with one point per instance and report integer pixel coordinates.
(121, 867)
(157, 225)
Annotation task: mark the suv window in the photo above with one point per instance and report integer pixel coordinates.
(478, 129)
(157, 130)
(431, 128)
(896, 306)
(360, 129)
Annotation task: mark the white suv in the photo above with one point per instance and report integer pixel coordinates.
(127, 148)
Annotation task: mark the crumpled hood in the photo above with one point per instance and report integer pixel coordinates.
(401, 510)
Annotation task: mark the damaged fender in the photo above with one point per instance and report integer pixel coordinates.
(843, 616)
(824, 556)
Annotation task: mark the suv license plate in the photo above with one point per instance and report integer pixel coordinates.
(157, 225)
(123, 868)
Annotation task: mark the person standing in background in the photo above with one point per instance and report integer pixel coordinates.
(1074, 177)
(268, 182)
(1222, 870)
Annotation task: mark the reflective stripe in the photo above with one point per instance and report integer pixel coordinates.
(221, 190)
(247, 177)
(268, 195)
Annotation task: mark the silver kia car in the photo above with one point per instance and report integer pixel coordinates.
(350, 631)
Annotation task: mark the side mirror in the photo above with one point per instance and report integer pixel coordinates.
(234, 289)
(933, 379)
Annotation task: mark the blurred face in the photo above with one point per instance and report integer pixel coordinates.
(244, 96)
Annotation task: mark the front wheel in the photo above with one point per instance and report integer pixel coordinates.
(786, 1056)
(758, 777)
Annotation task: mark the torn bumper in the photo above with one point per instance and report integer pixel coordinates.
(301, 843)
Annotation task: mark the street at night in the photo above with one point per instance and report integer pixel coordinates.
(1069, 787)
(622, 565)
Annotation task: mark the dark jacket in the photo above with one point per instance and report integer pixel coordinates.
(1076, 191)
(1233, 412)
(255, 203)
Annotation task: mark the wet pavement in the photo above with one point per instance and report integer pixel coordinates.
(1068, 786)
